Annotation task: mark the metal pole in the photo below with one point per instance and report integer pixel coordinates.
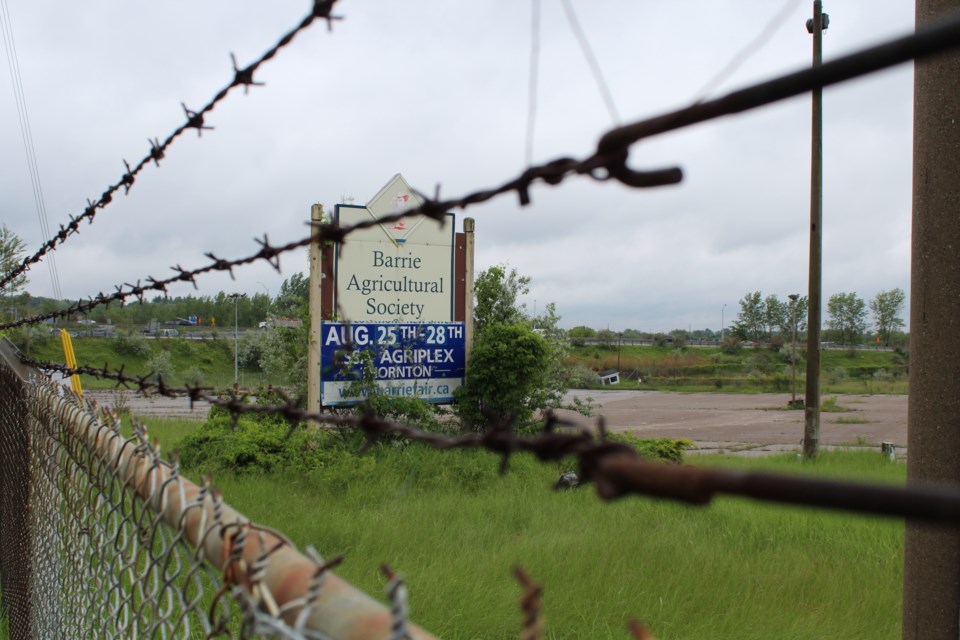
(722, 325)
(811, 427)
(931, 567)
(236, 341)
(793, 349)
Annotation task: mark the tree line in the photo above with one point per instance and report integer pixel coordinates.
(763, 318)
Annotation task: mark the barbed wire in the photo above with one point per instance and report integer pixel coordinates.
(608, 162)
(325, 232)
(322, 9)
(615, 468)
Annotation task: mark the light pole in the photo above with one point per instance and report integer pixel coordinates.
(722, 325)
(236, 338)
(793, 348)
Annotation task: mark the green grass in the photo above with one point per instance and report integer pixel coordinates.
(737, 569)
(213, 358)
(455, 528)
(760, 370)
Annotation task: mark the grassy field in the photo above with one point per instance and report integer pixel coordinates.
(212, 358)
(455, 528)
(758, 370)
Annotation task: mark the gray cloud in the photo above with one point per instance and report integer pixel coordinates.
(438, 91)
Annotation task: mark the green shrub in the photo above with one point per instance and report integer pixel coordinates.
(161, 365)
(254, 445)
(580, 376)
(668, 449)
(131, 344)
(506, 378)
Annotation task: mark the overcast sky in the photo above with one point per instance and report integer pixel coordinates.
(438, 91)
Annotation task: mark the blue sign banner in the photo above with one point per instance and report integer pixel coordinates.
(423, 360)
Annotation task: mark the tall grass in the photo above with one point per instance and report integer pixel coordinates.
(736, 569)
(455, 527)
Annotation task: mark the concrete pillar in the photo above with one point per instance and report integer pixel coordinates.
(931, 590)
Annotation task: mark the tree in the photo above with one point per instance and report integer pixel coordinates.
(776, 315)
(578, 335)
(294, 297)
(496, 291)
(847, 316)
(752, 318)
(886, 307)
(12, 249)
(498, 317)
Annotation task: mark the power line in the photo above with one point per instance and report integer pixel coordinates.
(13, 64)
(591, 60)
(751, 48)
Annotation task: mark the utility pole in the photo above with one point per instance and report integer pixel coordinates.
(811, 414)
(722, 325)
(931, 567)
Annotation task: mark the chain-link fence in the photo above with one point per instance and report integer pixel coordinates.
(99, 537)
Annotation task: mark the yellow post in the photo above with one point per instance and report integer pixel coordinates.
(71, 361)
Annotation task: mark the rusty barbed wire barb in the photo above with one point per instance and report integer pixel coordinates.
(244, 76)
(639, 632)
(531, 601)
(321, 9)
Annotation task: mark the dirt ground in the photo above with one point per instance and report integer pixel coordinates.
(755, 424)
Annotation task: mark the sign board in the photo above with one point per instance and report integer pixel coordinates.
(410, 360)
(396, 271)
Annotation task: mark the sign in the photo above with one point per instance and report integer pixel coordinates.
(426, 361)
(398, 271)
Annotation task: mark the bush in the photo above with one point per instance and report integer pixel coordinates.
(580, 376)
(131, 344)
(732, 345)
(668, 449)
(253, 445)
(161, 365)
(193, 376)
(506, 378)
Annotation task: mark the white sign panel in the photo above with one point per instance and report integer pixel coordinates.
(397, 271)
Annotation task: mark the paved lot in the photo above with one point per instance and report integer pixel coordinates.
(740, 422)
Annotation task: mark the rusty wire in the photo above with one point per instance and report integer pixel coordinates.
(322, 9)
(531, 601)
(608, 162)
(615, 468)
